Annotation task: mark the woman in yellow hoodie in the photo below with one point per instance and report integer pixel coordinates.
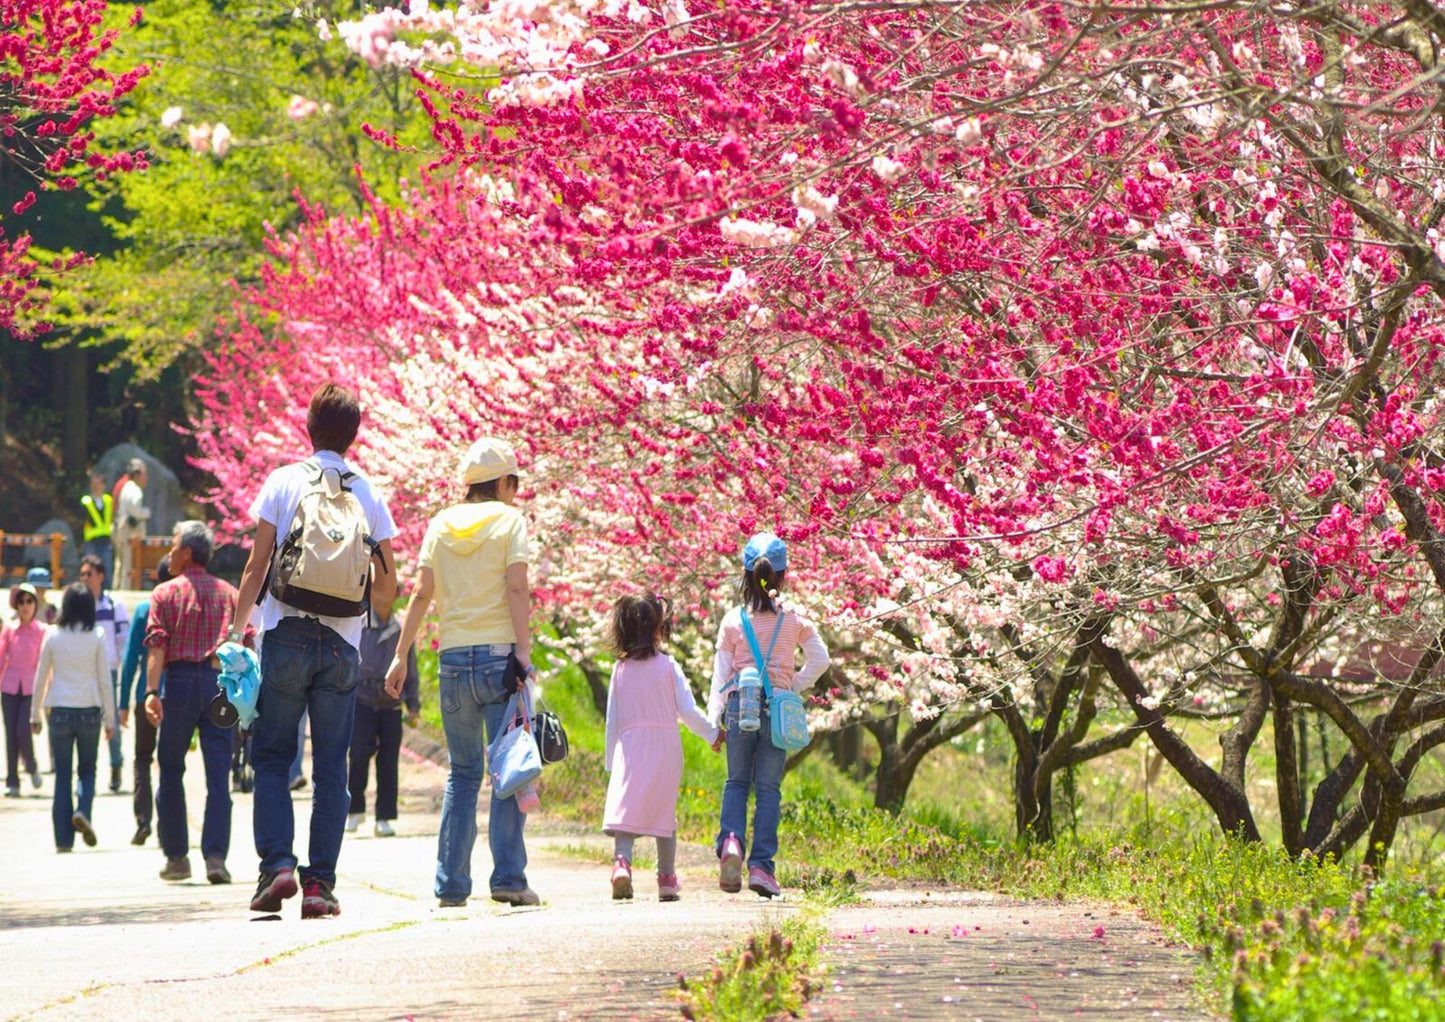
(474, 565)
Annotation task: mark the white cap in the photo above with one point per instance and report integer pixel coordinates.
(487, 459)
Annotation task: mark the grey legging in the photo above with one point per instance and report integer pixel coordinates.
(666, 851)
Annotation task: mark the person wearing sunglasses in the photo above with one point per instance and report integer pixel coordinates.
(19, 654)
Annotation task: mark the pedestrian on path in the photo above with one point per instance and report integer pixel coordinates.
(98, 522)
(114, 620)
(133, 684)
(131, 516)
(474, 563)
(755, 764)
(646, 698)
(309, 649)
(186, 623)
(20, 643)
(39, 579)
(72, 690)
(377, 732)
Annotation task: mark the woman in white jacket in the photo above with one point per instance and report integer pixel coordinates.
(72, 689)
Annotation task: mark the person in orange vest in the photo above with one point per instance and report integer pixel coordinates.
(98, 522)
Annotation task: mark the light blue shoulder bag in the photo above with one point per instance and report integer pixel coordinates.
(513, 758)
(787, 717)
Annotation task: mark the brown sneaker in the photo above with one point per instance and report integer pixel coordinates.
(84, 829)
(317, 901)
(216, 871)
(177, 869)
(272, 889)
(526, 896)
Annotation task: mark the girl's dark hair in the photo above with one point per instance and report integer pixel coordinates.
(756, 585)
(77, 608)
(478, 492)
(632, 628)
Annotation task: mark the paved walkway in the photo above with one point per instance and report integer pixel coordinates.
(96, 935)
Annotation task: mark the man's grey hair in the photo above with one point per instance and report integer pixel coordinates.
(196, 536)
(134, 465)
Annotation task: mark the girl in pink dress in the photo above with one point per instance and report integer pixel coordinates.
(647, 697)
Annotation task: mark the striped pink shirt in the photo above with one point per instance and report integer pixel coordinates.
(734, 653)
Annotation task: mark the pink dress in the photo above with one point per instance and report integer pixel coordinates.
(644, 750)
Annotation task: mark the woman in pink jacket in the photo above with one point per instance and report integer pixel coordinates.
(647, 697)
(19, 653)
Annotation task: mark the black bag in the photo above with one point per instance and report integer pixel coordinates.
(550, 735)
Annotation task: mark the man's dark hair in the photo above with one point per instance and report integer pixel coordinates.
(478, 492)
(333, 419)
(77, 608)
(93, 562)
(633, 626)
(163, 570)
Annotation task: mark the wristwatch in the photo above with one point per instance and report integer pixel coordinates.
(153, 692)
(234, 636)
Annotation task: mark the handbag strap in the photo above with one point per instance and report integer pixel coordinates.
(757, 655)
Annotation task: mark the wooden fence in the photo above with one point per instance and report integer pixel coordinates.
(146, 553)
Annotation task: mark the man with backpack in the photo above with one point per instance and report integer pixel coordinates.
(322, 551)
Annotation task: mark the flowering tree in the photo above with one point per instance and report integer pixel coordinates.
(53, 86)
(1077, 345)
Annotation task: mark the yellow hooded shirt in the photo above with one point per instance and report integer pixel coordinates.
(469, 548)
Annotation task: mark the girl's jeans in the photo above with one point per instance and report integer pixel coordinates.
(754, 764)
(473, 702)
(73, 731)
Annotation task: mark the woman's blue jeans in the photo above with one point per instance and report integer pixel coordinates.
(72, 730)
(473, 702)
(755, 765)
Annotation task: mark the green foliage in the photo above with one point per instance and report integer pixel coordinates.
(767, 977)
(196, 221)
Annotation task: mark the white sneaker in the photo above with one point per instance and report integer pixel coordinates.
(353, 820)
(383, 829)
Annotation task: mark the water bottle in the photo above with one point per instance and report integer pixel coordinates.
(750, 699)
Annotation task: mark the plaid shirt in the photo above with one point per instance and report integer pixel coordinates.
(189, 613)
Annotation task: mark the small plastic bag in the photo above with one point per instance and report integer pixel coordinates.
(527, 800)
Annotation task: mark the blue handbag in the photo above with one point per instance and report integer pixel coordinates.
(787, 717)
(513, 760)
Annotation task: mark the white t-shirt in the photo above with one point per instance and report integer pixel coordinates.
(276, 505)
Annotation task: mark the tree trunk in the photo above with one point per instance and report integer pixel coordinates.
(1230, 806)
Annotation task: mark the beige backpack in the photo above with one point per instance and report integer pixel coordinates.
(322, 564)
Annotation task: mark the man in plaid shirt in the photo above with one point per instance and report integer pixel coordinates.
(188, 620)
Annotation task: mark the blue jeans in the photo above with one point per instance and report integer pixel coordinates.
(754, 764)
(470, 691)
(305, 668)
(189, 689)
(78, 730)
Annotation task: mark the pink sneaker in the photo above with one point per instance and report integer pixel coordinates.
(730, 865)
(621, 880)
(762, 883)
(669, 887)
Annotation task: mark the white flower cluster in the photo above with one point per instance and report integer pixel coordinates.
(888, 169)
(810, 200)
(755, 233)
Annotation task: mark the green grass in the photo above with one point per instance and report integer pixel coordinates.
(769, 976)
(1282, 940)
